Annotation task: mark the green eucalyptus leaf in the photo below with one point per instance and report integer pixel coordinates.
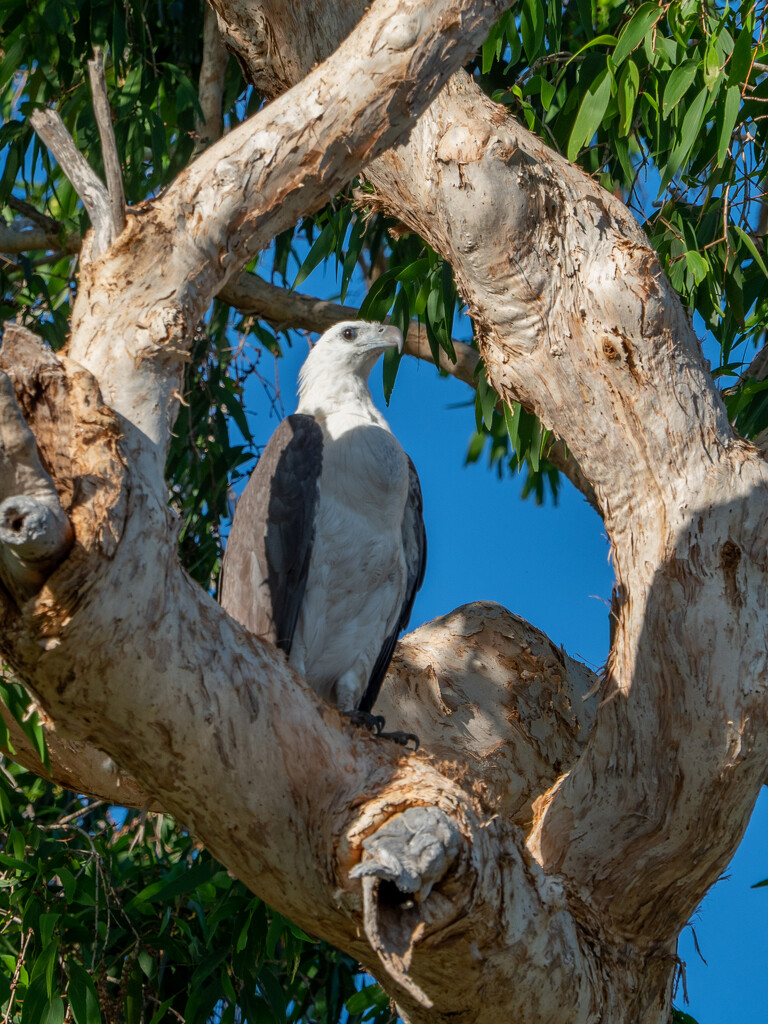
(487, 399)
(493, 46)
(741, 58)
(677, 85)
(44, 965)
(751, 247)
(697, 265)
(712, 69)
(628, 88)
(321, 249)
(39, 1007)
(633, 33)
(591, 112)
(512, 421)
(532, 25)
(728, 122)
(82, 996)
(689, 132)
(380, 298)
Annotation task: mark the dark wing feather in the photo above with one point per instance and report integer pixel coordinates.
(266, 561)
(415, 545)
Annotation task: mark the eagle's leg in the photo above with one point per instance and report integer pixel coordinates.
(348, 695)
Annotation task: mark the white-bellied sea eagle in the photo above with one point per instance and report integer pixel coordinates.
(327, 547)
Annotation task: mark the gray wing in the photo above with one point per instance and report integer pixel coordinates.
(415, 547)
(266, 561)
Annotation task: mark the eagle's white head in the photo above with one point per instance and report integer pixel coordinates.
(336, 371)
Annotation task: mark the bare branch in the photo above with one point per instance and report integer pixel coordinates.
(278, 306)
(28, 210)
(23, 237)
(211, 83)
(52, 132)
(109, 154)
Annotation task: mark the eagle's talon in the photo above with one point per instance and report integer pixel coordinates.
(364, 719)
(403, 738)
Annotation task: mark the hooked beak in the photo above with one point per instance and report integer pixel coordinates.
(393, 337)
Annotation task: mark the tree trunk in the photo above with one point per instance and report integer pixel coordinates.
(570, 839)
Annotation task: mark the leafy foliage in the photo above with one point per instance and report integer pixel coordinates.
(137, 923)
(665, 102)
(203, 461)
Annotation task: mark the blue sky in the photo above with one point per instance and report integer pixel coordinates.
(551, 565)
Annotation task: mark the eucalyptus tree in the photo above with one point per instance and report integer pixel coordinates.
(539, 868)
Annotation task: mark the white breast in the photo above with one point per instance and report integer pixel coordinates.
(357, 574)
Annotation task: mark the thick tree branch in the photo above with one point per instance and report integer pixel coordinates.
(286, 309)
(481, 687)
(79, 767)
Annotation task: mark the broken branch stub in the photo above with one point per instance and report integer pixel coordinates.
(413, 850)
(35, 533)
(61, 474)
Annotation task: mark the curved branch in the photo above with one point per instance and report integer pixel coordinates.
(482, 687)
(287, 309)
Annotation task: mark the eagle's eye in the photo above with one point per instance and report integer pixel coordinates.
(349, 333)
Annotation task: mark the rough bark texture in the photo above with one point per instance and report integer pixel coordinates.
(573, 837)
(577, 320)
